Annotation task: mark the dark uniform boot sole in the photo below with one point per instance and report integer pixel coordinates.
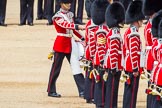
(54, 95)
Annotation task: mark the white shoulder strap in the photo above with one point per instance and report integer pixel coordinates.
(133, 32)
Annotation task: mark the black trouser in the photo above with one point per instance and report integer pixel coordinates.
(157, 100)
(130, 91)
(26, 11)
(157, 103)
(99, 91)
(79, 9)
(88, 4)
(89, 85)
(112, 86)
(57, 6)
(42, 10)
(55, 70)
(3, 4)
(50, 13)
(73, 7)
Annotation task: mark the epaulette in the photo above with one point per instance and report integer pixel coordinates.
(134, 32)
(101, 30)
(115, 34)
(57, 15)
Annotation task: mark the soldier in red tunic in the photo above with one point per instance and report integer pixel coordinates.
(150, 7)
(89, 54)
(100, 35)
(147, 32)
(132, 44)
(112, 61)
(156, 52)
(65, 27)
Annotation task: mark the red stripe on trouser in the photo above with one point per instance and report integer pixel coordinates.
(112, 93)
(134, 85)
(103, 95)
(51, 76)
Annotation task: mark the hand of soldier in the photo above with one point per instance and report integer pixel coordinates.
(50, 55)
(135, 74)
(105, 76)
(81, 27)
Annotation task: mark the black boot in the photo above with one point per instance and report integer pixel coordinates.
(79, 80)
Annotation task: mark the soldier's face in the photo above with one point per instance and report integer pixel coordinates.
(140, 23)
(66, 6)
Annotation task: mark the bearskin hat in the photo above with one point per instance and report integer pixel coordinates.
(98, 10)
(155, 22)
(65, 1)
(160, 29)
(151, 6)
(125, 3)
(115, 14)
(134, 12)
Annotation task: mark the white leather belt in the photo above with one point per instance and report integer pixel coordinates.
(65, 35)
(155, 62)
(127, 52)
(119, 52)
(148, 47)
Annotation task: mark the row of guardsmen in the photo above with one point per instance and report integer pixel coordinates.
(108, 53)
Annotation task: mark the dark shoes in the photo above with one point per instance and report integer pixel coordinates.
(30, 24)
(21, 24)
(41, 18)
(81, 94)
(90, 101)
(54, 95)
(3, 24)
(49, 23)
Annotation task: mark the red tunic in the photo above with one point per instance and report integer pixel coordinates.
(132, 45)
(148, 46)
(65, 27)
(90, 40)
(155, 56)
(158, 72)
(114, 50)
(101, 37)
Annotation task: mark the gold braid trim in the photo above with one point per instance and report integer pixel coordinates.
(101, 40)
